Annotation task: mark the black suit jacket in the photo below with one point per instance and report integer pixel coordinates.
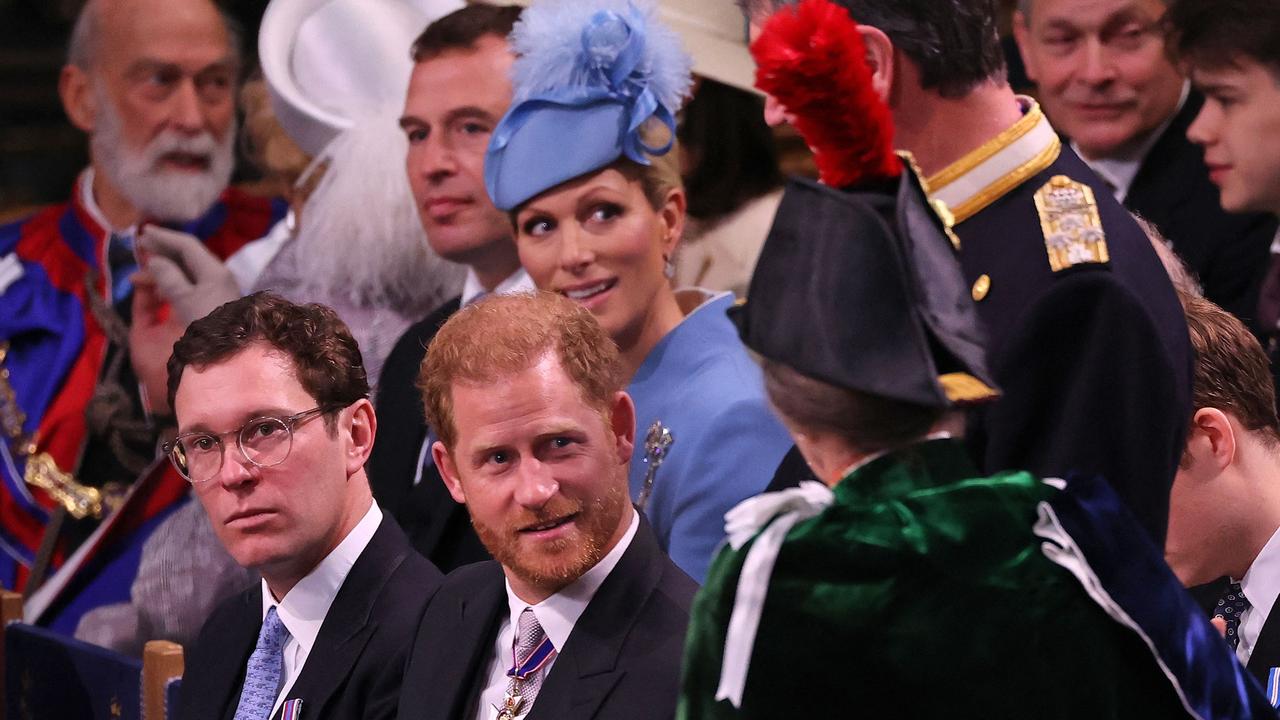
(622, 660)
(1227, 252)
(438, 527)
(1266, 651)
(355, 667)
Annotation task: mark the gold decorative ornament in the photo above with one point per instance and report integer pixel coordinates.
(41, 470)
(1072, 228)
(981, 287)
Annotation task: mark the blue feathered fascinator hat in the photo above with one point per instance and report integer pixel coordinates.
(588, 76)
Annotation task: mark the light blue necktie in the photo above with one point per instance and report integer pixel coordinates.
(266, 667)
(124, 263)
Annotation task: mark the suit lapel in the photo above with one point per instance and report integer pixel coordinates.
(349, 623)
(1160, 182)
(587, 668)
(1266, 652)
(227, 661)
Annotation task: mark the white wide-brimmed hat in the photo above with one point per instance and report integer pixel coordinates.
(715, 34)
(327, 62)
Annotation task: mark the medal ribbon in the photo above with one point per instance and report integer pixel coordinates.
(540, 656)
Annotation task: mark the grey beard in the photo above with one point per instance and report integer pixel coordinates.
(157, 193)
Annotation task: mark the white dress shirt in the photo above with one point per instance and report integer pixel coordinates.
(557, 615)
(518, 281)
(304, 608)
(1261, 586)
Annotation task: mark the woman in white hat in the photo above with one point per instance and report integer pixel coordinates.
(337, 72)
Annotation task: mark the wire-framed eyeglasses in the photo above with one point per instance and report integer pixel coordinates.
(264, 441)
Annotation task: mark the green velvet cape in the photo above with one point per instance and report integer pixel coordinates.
(922, 592)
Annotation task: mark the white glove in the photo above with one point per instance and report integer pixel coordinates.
(191, 278)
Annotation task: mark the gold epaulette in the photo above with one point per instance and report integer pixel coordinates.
(1072, 228)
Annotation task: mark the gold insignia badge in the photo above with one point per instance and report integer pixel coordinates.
(981, 287)
(1069, 218)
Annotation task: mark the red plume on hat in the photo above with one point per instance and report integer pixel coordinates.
(812, 59)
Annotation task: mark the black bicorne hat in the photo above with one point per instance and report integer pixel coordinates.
(862, 289)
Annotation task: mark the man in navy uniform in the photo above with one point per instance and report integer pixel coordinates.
(1086, 335)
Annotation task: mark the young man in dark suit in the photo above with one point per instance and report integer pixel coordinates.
(1224, 511)
(1232, 54)
(274, 428)
(1107, 83)
(581, 615)
(457, 93)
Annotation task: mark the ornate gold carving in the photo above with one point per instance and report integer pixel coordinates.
(1073, 233)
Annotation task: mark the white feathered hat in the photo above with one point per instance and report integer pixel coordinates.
(328, 61)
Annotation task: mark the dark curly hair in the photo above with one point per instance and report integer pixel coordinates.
(325, 356)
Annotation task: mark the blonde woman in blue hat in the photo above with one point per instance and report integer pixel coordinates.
(584, 162)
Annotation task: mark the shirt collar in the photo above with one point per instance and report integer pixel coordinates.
(1261, 582)
(559, 613)
(305, 606)
(1001, 164)
(517, 282)
(1120, 169)
(91, 205)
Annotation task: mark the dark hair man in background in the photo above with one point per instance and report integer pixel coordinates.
(458, 92)
(1231, 51)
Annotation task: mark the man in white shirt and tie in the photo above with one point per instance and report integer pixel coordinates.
(274, 427)
(582, 615)
(1224, 510)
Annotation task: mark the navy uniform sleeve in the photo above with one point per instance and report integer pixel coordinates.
(1088, 387)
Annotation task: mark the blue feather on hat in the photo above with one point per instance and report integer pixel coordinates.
(574, 43)
(589, 76)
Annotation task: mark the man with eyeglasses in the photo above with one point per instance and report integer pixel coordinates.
(274, 428)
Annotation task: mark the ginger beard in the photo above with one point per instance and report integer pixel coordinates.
(140, 175)
(556, 563)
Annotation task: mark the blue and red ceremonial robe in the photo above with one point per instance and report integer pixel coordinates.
(55, 352)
